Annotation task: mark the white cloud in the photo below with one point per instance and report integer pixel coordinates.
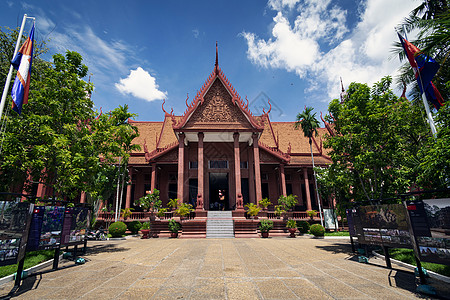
(316, 45)
(140, 84)
(196, 33)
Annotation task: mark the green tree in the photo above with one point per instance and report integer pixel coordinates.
(434, 167)
(375, 148)
(59, 139)
(309, 124)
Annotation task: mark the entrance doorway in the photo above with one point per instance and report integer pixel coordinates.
(218, 181)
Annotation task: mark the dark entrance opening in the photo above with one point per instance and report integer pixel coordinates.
(193, 188)
(245, 190)
(218, 181)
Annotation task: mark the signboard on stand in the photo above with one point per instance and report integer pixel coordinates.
(15, 218)
(430, 224)
(76, 221)
(384, 225)
(330, 219)
(46, 227)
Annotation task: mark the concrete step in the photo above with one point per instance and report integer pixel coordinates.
(219, 224)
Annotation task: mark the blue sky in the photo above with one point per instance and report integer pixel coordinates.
(291, 51)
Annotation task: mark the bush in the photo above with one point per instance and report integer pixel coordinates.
(117, 229)
(303, 226)
(134, 226)
(317, 230)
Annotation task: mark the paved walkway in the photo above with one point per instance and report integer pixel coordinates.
(275, 268)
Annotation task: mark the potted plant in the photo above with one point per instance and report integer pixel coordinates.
(174, 227)
(126, 213)
(252, 210)
(312, 214)
(173, 203)
(292, 227)
(279, 210)
(265, 226)
(145, 229)
(264, 203)
(161, 212)
(134, 226)
(150, 202)
(184, 209)
(303, 227)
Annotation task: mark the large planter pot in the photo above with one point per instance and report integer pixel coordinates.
(174, 235)
(145, 233)
(264, 234)
(292, 232)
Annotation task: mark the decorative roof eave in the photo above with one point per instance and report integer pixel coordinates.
(276, 152)
(158, 151)
(236, 99)
(327, 125)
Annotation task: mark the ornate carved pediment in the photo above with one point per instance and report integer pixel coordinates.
(218, 107)
(170, 156)
(265, 156)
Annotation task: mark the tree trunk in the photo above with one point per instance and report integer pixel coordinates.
(315, 181)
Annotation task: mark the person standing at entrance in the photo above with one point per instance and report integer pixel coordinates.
(221, 199)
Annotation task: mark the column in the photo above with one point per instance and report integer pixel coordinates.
(180, 184)
(283, 180)
(153, 179)
(128, 198)
(41, 191)
(83, 197)
(308, 195)
(200, 172)
(237, 171)
(257, 168)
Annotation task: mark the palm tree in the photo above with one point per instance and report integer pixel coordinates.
(309, 125)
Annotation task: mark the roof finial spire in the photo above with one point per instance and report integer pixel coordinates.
(217, 60)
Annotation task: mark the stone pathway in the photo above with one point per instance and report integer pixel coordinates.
(275, 268)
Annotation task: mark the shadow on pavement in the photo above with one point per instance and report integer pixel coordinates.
(105, 248)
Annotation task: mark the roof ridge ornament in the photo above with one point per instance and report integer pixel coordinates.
(217, 60)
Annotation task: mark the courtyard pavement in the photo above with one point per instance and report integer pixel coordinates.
(274, 268)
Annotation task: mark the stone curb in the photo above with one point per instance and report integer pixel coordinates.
(411, 267)
(30, 271)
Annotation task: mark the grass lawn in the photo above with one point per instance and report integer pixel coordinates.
(337, 233)
(32, 258)
(407, 256)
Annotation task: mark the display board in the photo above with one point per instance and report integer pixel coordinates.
(330, 219)
(76, 220)
(46, 227)
(15, 218)
(350, 222)
(384, 225)
(430, 224)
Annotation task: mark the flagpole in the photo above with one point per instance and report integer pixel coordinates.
(429, 116)
(8, 79)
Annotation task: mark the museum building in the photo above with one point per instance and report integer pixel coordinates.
(219, 144)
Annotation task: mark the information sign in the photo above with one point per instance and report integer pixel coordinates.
(430, 224)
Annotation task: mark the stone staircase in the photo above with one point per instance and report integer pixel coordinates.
(219, 224)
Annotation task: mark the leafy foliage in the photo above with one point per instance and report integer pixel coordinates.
(431, 19)
(184, 209)
(375, 148)
(291, 224)
(317, 230)
(264, 203)
(288, 201)
(117, 229)
(252, 209)
(134, 226)
(303, 226)
(150, 201)
(174, 226)
(265, 225)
